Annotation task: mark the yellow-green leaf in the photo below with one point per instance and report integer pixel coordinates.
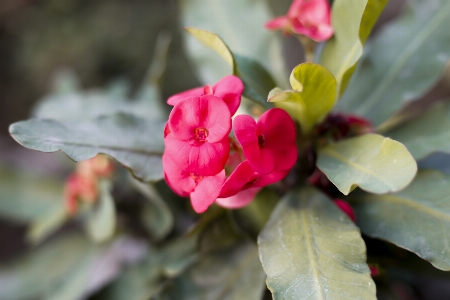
(417, 218)
(352, 21)
(312, 97)
(374, 163)
(311, 250)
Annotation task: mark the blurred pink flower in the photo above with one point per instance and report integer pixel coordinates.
(345, 207)
(306, 17)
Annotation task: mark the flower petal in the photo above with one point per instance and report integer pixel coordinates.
(178, 180)
(175, 99)
(241, 199)
(208, 112)
(271, 178)
(245, 129)
(207, 192)
(229, 89)
(277, 23)
(243, 174)
(205, 159)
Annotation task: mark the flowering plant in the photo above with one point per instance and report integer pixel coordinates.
(291, 179)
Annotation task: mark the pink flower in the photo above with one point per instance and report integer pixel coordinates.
(346, 208)
(307, 17)
(198, 139)
(268, 144)
(203, 190)
(229, 89)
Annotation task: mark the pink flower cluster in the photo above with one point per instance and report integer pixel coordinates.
(310, 18)
(200, 151)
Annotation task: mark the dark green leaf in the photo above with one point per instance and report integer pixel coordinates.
(417, 218)
(352, 21)
(136, 143)
(426, 134)
(311, 250)
(233, 273)
(374, 163)
(404, 61)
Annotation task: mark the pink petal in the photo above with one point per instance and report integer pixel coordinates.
(279, 133)
(206, 112)
(271, 178)
(277, 23)
(205, 159)
(241, 199)
(178, 180)
(207, 192)
(346, 208)
(243, 174)
(230, 89)
(186, 94)
(245, 129)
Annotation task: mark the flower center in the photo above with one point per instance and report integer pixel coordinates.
(207, 90)
(261, 141)
(196, 177)
(200, 134)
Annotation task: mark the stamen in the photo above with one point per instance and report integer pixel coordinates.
(196, 177)
(200, 134)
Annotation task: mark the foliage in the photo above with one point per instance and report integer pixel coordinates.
(267, 216)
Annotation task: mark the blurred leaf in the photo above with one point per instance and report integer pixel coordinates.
(64, 268)
(428, 133)
(352, 21)
(232, 273)
(311, 250)
(26, 196)
(313, 96)
(157, 216)
(257, 81)
(254, 216)
(101, 219)
(219, 233)
(246, 36)
(136, 143)
(72, 104)
(45, 225)
(374, 163)
(404, 61)
(417, 218)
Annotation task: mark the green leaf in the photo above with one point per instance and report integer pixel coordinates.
(232, 273)
(136, 143)
(44, 226)
(352, 21)
(404, 61)
(157, 216)
(42, 195)
(428, 133)
(311, 250)
(101, 219)
(374, 163)
(313, 95)
(257, 81)
(417, 218)
(244, 35)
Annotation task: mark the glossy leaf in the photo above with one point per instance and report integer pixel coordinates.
(312, 97)
(374, 163)
(101, 220)
(136, 143)
(245, 36)
(311, 250)
(156, 214)
(402, 63)
(257, 81)
(352, 21)
(428, 133)
(232, 273)
(417, 218)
